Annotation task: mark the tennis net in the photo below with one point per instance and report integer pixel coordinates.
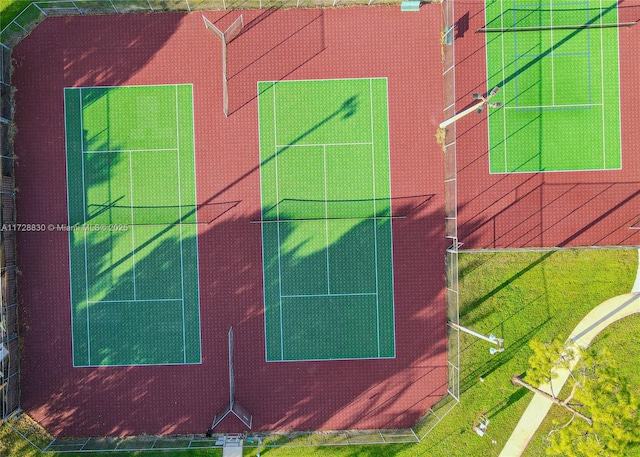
(553, 17)
(309, 210)
(125, 215)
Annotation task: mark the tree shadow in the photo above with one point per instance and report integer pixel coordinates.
(296, 395)
(391, 392)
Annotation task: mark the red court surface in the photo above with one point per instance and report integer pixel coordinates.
(176, 49)
(555, 209)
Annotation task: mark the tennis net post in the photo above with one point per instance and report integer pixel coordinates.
(225, 37)
(234, 407)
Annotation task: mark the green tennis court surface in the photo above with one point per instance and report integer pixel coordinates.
(560, 87)
(326, 207)
(133, 247)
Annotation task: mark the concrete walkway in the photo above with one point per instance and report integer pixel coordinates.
(636, 286)
(593, 323)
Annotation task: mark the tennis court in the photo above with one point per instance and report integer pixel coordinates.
(556, 64)
(326, 219)
(132, 218)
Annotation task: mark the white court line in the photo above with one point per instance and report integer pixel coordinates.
(66, 163)
(320, 144)
(361, 294)
(275, 152)
(262, 230)
(553, 86)
(84, 212)
(326, 216)
(133, 239)
(167, 364)
(129, 86)
(619, 92)
(324, 145)
(391, 286)
(526, 107)
(195, 196)
(330, 359)
(184, 325)
(568, 170)
(375, 225)
(154, 300)
(285, 81)
(604, 131)
(128, 150)
(504, 112)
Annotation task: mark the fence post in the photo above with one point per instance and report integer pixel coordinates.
(41, 10)
(14, 21)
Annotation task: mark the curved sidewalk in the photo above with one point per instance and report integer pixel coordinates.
(593, 323)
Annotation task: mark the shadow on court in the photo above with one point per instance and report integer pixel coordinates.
(231, 293)
(554, 47)
(271, 47)
(550, 214)
(95, 64)
(305, 394)
(532, 209)
(170, 399)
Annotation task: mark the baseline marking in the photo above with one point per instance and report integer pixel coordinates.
(526, 107)
(144, 300)
(360, 294)
(302, 145)
(129, 150)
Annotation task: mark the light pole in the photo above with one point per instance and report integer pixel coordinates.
(491, 338)
(478, 107)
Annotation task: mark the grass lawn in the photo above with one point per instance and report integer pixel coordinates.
(515, 295)
(519, 297)
(10, 9)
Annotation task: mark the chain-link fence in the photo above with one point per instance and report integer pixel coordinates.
(35, 12)
(42, 440)
(448, 139)
(12, 34)
(9, 365)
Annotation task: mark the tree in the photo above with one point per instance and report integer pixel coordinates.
(605, 396)
(546, 359)
(610, 412)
